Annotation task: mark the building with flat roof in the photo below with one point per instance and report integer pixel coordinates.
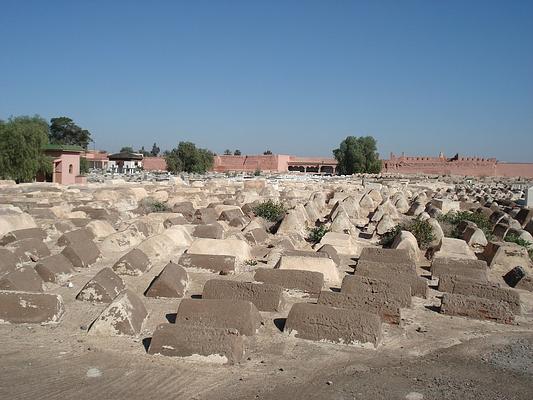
(66, 164)
(274, 163)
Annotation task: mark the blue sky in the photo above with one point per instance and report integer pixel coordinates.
(295, 77)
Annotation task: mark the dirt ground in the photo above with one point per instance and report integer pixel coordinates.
(431, 356)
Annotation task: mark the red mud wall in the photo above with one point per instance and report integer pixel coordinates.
(248, 163)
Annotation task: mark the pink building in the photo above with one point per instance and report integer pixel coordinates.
(66, 164)
(274, 163)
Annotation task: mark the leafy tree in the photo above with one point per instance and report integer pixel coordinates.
(227, 152)
(358, 155)
(127, 149)
(155, 150)
(21, 148)
(267, 152)
(188, 158)
(237, 152)
(144, 152)
(84, 166)
(63, 130)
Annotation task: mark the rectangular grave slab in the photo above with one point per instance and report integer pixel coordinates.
(396, 293)
(102, 288)
(306, 281)
(198, 342)
(241, 315)
(388, 312)
(135, 263)
(265, 296)
(477, 308)
(56, 269)
(31, 308)
(171, 282)
(214, 263)
(330, 324)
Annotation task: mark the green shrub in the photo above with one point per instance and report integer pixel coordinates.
(422, 231)
(151, 206)
(317, 233)
(388, 237)
(454, 218)
(251, 262)
(518, 240)
(257, 172)
(270, 210)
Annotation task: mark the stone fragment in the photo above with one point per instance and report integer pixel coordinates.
(102, 288)
(239, 249)
(124, 316)
(329, 324)
(198, 343)
(82, 254)
(8, 261)
(211, 231)
(241, 315)
(171, 282)
(385, 291)
(32, 249)
(31, 308)
(266, 297)
(135, 263)
(471, 269)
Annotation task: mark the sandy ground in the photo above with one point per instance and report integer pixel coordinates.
(431, 356)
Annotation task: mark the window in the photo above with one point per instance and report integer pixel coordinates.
(70, 168)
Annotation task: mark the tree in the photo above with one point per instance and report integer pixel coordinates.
(127, 149)
(267, 153)
(237, 153)
(22, 140)
(63, 130)
(144, 152)
(84, 166)
(155, 150)
(227, 152)
(358, 155)
(188, 158)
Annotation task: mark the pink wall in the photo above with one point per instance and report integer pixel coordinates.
(154, 164)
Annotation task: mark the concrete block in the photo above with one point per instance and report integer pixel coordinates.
(306, 281)
(31, 308)
(505, 254)
(241, 315)
(75, 236)
(8, 261)
(56, 269)
(329, 324)
(214, 263)
(124, 316)
(264, 296)
(524, 216)
(135, 263)
(102, 288)
(476, 307)
(237, 248)
(331, 252)
(171, 282)
(198, 343)
(256, 236)
(321, 264)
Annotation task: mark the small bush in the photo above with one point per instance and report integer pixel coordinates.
(388, 237)
(257, 172)
(270, 210)
(316, 234)
(518, 240)
(422, 231)
(151, 206)
(251, 262)
(454, 218)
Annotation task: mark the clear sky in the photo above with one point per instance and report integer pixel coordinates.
(295, 77)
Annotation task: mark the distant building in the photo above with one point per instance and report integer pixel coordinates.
(66, 164)
(154, 164)
(96, 159)
(456, 165)
(125, 162)
(274, 163)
